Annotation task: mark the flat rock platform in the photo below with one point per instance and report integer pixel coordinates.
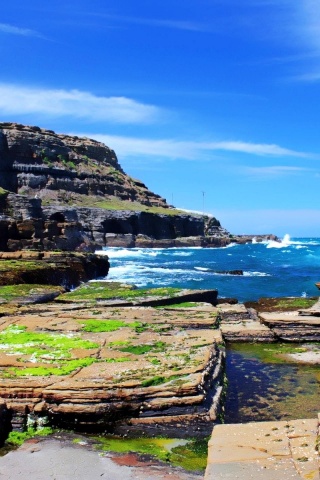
(285, 450)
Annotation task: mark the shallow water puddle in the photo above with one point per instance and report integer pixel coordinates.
(265, 383)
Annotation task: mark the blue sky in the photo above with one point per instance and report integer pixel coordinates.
(214, 104)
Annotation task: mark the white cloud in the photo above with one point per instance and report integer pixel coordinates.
(310, 77)
(274, 171)
(262, 149)
(170, 148)
(163, 23)
(309, 13)
(74, 103)
(11, 29)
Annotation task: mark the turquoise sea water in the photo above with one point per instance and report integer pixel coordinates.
(271, 269)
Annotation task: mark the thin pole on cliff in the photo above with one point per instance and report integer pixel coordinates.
(203, 193)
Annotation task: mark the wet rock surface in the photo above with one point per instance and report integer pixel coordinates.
(67, 456)
(89, 364)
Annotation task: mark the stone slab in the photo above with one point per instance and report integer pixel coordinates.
(246, 330)
(289, 317)
(265, 450)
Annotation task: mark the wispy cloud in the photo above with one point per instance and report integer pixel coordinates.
(13, 30)
(74, 103)
(311, 77)
(309, 13)
(175, 149)
(162, 23)
(274, 171)
(305, 34)
(262, 149)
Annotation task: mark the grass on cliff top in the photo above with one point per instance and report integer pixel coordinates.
(113, 290)
(115, 203)
(188, 454)
(18, 265)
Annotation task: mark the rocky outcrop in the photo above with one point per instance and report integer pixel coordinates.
(102, 368)
(39, 167)
(69, 193)
(26, 224)
(239, 324)
(292, 326)
(51, 268)
(35, 161)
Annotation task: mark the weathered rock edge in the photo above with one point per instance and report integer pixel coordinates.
(51, 268)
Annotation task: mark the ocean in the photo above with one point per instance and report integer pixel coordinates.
(270, 269)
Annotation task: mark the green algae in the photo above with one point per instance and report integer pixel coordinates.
(266, 383)
(269, 352)
(180, 305)
(64, 368)
(95, 325)
(114, 203)
(189, 454)
(300, 302)
(3, 192)
(53, 349)
(118, 360)
(93, 291)
(146, 348)
(18, 265)
(17, 340)
(159, 379)
(16, 439)
(284, 304)
(9, 293)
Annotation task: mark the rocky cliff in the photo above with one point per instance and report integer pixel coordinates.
(69, 193)
(62, 168)
(26, 224)
(64, 192)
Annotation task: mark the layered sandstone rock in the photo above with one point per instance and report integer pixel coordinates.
(68, 193)
(38, 161)
(105, 368)
(51, 268)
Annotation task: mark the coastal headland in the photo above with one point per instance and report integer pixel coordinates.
(81, 354)
(70, 193)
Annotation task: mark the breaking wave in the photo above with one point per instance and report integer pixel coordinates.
(272, 269)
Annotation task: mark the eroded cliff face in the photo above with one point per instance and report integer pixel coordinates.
(62, 168)
(69, 193)
(26, 224)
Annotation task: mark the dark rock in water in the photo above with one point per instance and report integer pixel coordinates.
(230, 272)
